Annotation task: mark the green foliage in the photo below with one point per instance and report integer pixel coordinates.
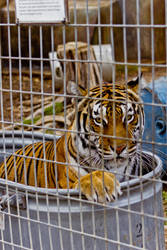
(47, 111)
(29, 121)
(49, 131)
(164, 196)
(58, 109)
(120, 69)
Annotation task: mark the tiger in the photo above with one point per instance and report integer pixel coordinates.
(96, 153)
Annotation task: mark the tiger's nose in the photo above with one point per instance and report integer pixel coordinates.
(120, 149)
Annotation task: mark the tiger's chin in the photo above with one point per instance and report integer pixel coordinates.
(115, 163)
(117, 166)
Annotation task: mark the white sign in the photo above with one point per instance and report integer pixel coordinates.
(41, 11)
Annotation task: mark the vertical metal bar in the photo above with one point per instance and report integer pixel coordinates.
(54, 123)
(2, 118)
(65, 128)
(88, 89)
(42, 106)
(31, 97)
(76, 115)
(64, 85)
(125, 40)
(139, 73)
(21, 105)
(11, 105)
(153, 114)
(112, 42)
(114, 122)
(101, 81)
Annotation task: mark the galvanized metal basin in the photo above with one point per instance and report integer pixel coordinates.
(59, 219)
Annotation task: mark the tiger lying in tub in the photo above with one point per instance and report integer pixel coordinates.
(102, 138)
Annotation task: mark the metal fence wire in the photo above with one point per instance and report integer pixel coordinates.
(83, 114)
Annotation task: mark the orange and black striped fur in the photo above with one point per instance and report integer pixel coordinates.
(103, 138)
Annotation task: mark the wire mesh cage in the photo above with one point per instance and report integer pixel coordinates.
(83, 139)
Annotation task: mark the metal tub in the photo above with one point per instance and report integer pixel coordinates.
(59, 219)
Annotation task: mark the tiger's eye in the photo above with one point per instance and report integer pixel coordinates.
(98, 120)
(129, 117)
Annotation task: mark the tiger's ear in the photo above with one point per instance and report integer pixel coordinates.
(135, 83)
(75, 89)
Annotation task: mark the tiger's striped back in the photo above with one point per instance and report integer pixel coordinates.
(33, 165)
(36, 165)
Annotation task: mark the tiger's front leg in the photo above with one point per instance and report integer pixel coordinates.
(99, 186)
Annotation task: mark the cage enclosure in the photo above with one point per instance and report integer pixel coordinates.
(61, 218)
(93, 44)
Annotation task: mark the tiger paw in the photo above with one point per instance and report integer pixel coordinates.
(99, 186)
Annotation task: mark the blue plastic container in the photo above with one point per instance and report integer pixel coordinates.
(154, 97)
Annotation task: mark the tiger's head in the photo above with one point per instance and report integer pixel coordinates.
(109, 123)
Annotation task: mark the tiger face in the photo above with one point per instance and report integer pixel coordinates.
(109, 125)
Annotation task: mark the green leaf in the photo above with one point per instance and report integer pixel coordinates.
(29, 121)
(58, 109)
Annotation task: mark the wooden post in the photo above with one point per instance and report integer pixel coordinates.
(81, 66)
